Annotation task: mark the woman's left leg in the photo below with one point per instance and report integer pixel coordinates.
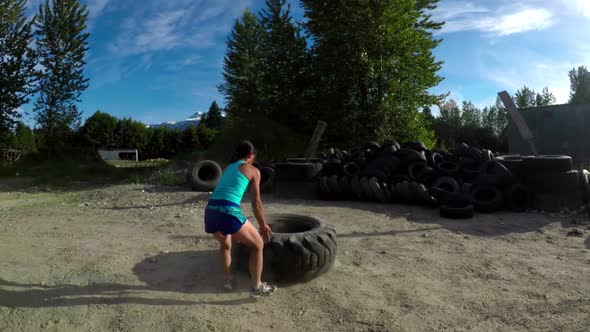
(225, 250)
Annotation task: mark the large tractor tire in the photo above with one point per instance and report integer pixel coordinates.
(300, 249)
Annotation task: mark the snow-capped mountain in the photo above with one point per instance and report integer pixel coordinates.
(190, 121)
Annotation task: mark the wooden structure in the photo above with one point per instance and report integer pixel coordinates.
(9, 156)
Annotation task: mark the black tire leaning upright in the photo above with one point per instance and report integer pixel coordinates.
(300, 248)
(517, 198)
(205, 175)
(487, 199)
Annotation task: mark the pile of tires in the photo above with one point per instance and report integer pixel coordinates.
(552, 181)
(297, 178)
(461, 181)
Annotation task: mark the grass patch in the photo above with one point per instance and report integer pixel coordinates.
(136, 164)
(60, 172)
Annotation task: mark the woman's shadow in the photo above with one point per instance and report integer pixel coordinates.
(188, 272)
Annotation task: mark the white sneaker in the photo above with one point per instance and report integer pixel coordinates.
(228, 285)
(263, 290)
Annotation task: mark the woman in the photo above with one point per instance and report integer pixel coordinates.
(224, 218)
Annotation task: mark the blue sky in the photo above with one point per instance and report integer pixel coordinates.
(161, 60)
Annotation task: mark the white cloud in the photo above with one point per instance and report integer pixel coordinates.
(473, 18)
(96, 7)
(453, 10)
(581, 7)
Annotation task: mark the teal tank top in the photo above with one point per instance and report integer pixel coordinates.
(232, 185)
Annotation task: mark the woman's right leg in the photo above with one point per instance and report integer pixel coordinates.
(249, 236)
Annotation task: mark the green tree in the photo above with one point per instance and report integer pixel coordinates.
(206, 136)
(448, 124)
(525, 98)
(17, 62)
(286, 66)
(99, 130)
(156, 143)
(172, 143)
(213, 119)
(242, 67)
(190, 139)
(24, 138)
(579, 86)
(470, 115)
(131, 134)
(61, 46)
(545, 98)
(374, 65)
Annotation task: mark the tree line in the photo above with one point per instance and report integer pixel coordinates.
(365, 67)
(104, 131)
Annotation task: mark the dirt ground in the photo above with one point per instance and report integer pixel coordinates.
(135, 258)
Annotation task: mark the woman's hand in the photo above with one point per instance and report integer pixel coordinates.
(265, 232)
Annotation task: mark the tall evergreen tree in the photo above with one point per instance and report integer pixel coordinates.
(580, 85)
(375, 64)
(213, 119)
(61, 45)
(286, 66)
(242, 67)
(17, 62)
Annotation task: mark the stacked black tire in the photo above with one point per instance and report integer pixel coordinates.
(552, 181)
(297, 178)
(461, 182)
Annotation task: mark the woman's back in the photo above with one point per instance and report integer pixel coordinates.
(232, 185)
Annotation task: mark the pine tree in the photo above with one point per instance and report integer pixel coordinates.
(375, 65)
(242, 67)
(17, 62)
(286, 66)
(61, 45)
(213, 119)
(580, 86)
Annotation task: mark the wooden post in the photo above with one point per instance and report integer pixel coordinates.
(521, 125)
(315, 139)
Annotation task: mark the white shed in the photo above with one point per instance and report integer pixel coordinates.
(119, 154)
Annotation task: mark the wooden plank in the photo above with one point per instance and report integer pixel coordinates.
(315, 139)
(517, 118)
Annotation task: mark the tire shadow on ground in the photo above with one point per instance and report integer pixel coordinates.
(188, 272)
(486, 225)
(587, 243)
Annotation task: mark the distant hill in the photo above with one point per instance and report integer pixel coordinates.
(182, 125)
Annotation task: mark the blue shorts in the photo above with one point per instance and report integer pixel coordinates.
(224, 217)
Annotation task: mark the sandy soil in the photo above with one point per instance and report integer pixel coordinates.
(135, 258)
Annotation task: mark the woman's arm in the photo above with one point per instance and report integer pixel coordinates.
(257, 204)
